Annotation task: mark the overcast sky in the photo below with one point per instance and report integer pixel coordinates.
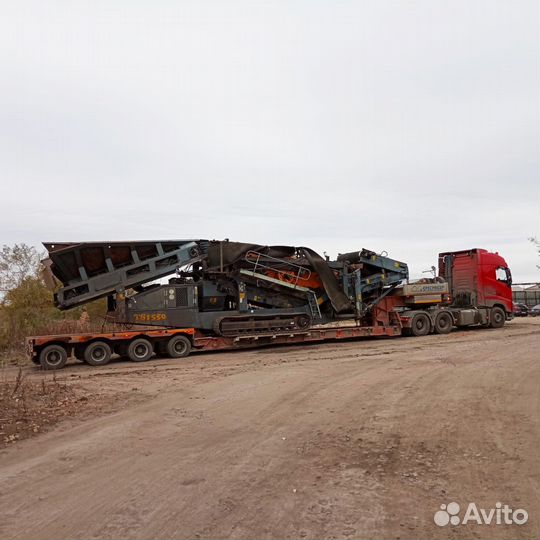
(410, 127)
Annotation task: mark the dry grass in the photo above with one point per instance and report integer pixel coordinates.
(13, 357)
(75, 326)
(29, 406)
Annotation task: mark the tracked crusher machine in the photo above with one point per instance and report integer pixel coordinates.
(220, 287)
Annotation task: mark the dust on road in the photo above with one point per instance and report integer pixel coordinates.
(358, 439)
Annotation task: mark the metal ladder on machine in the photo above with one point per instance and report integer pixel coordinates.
(314, 306)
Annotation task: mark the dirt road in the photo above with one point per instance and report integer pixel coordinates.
(360, 439)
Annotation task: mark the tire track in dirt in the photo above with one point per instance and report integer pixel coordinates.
(341, 440)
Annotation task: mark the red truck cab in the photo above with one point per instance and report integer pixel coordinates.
(478, 278)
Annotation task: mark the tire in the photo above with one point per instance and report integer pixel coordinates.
(140, 350)
(53, 357)
(443, 323)
(97, 353)
(496, 317)
(178, 346)
(420, 325)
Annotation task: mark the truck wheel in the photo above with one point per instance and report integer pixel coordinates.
(140, 350)
(53, 357)
(420, 325)
(496, 317)
(178, 346)
(97, 353)
(443, 323)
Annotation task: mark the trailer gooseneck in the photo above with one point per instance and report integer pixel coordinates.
(231, 294)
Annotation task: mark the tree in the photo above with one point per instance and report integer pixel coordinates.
(17, 263)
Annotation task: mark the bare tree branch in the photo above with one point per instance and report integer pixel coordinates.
(16, 264)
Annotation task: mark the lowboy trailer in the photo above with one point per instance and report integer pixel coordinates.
(96, 348)
(229, 295)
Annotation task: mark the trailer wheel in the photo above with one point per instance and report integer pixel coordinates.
(496, 317)
(140, 350)
(443, 323)
(53, 357)
(420, 325)
(97, 353)
(178, 346)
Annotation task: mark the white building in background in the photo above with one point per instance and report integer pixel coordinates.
(526, 293)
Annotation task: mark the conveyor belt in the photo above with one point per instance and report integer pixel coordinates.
(91, 270)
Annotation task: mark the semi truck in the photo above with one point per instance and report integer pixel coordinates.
(226, 295)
